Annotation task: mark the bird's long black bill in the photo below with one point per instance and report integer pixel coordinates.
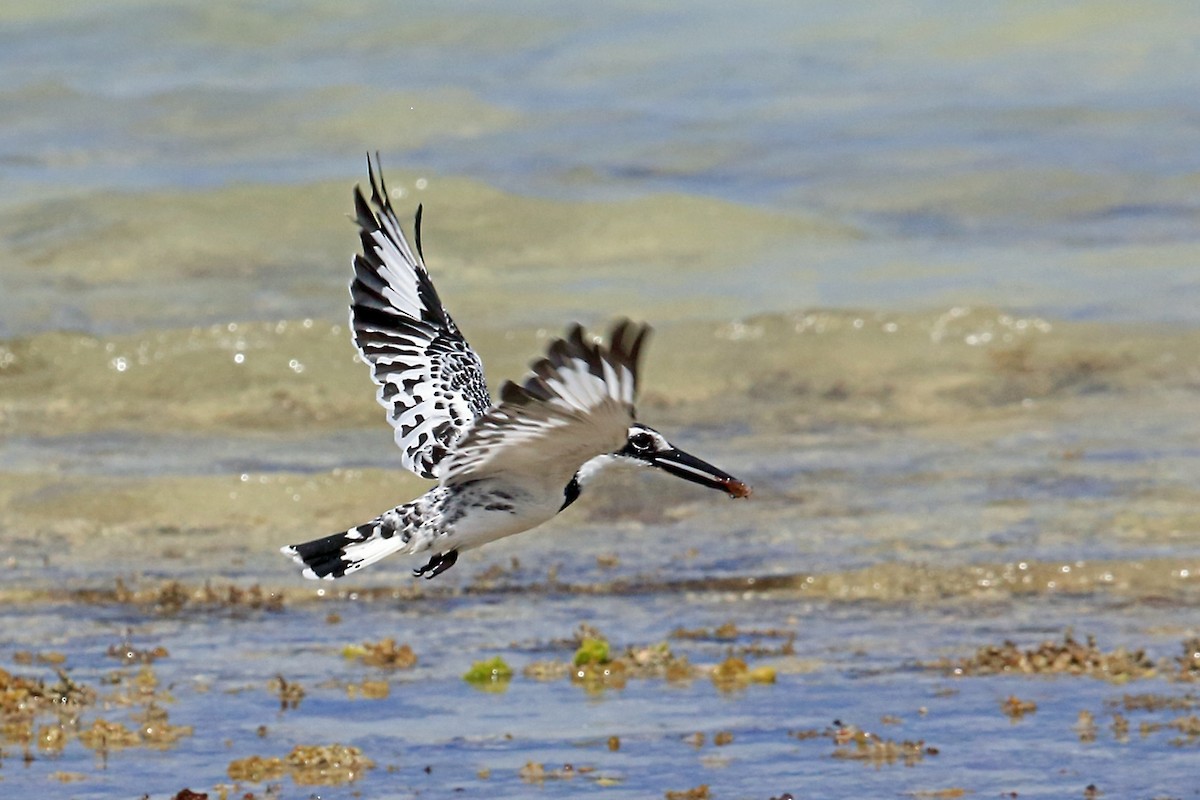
(687, 466)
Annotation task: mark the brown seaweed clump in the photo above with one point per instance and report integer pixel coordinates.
(855, 744)
(1152, 701)
(733, 673)
(370, 690)
(290, 693)
(172, 597)
(49, 714)
(326, 765)
(1188, 728)
(757, 644)
(385, 654)
(257, 769)
(1015, 708)
(155, 729)
(534, 772)
(1189, 663)
(127, 653)
(25, 701)
(104, 736)
(1068, 657)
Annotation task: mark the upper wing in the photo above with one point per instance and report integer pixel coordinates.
(577, 404)
(430, 380)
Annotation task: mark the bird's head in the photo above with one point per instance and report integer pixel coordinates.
(646, 447)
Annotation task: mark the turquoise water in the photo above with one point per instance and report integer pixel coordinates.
(924, 274)
(1034, 157)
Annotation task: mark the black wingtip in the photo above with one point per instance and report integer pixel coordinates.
(417, 232)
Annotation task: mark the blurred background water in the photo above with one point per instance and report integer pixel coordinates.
(924, 273)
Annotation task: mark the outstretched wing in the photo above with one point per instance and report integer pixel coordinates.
(576, 404)
(430, 380)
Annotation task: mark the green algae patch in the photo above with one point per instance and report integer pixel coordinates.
(591, 651)
(490, 672)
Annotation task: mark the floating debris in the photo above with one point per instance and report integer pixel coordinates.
(289, 693)
(67, 777)
(1015, 708)
(371, 690)
(807, 733)
(696, 793)
(1085, 726)
(1120, 727)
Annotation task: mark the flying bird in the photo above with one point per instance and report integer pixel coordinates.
(501, 468)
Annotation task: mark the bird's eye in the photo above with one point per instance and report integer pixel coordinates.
(641, 441)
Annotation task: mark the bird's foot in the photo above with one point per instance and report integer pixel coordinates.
(437, 565)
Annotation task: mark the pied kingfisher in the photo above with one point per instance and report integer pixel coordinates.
(501, 468)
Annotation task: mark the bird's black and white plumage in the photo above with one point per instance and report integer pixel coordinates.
(501, 468)
(430, 380)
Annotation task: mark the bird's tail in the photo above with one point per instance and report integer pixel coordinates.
(349, 551)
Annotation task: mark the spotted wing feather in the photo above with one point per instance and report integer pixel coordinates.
(430, 380)
(577, 403)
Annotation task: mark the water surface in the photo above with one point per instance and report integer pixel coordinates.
(924, 276)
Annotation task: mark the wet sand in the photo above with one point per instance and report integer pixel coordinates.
(927, 486)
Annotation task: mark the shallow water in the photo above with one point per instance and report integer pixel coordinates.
(925, 278)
